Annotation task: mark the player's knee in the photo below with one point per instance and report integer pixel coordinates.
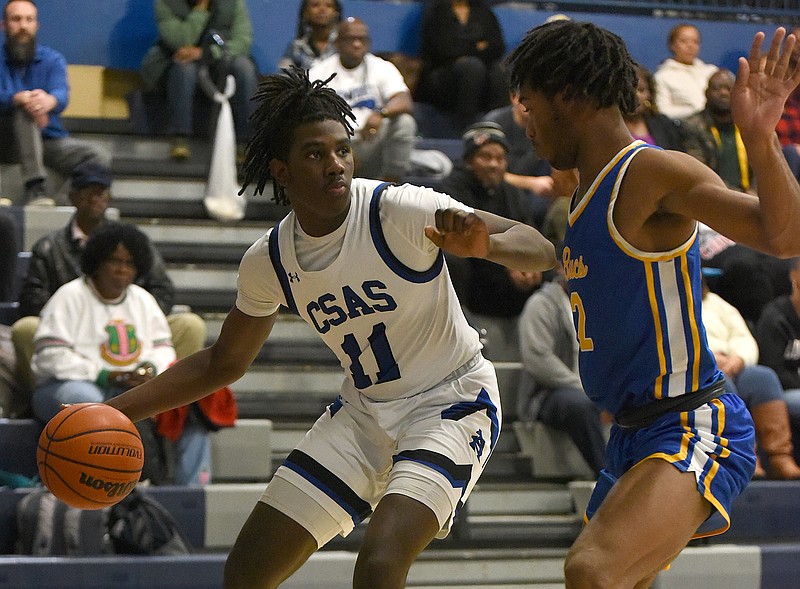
(582, 570)
(378, 567)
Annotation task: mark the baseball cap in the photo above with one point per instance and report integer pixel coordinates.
(90, 172)
(479, 134)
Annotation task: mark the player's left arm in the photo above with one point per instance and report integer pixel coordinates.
(481, 234)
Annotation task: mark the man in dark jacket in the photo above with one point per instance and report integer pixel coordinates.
(492, 295)
(55, 260)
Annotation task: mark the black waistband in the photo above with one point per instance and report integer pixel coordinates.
(645, 415)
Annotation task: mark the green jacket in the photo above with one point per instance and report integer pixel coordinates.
(180, 25)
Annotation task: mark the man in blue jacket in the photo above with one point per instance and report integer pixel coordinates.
(33, 94)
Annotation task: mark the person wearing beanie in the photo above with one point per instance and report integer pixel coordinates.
(493, 296)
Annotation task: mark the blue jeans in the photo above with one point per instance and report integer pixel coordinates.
(181, 86)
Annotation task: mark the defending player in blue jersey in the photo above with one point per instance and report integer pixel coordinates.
(362, 262)
(681, 449)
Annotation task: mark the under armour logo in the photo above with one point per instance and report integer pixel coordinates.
(293, 276)
(478, 443)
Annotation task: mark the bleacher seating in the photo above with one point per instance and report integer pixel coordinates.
(526, 510)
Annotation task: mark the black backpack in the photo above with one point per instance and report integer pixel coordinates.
(141, 525)
(46, 526)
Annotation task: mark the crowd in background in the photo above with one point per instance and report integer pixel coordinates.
(684, 105)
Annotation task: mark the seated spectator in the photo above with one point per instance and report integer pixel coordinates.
(385, 130)
(317, 27)
(55, 260)
(461, 50)
(646, 122)
(101, 334)
(736, 353)
(492, 295)
(550, 387)
(778, 336)
(711, 137)
(33, 94)
(681, 80)
(172, 65)
(747, 279)
(9, 249)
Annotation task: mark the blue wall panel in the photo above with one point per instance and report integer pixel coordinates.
(117, 33)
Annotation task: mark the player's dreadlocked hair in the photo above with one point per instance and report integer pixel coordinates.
(285, 101)
(578, 59)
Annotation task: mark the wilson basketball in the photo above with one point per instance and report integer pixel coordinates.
(90, 455)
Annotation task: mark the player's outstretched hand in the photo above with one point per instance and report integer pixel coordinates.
(763, 84)
(460, 233)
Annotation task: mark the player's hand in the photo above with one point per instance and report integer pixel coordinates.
(763, 84)
(460, 233)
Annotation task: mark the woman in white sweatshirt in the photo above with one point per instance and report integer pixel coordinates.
(682, 79)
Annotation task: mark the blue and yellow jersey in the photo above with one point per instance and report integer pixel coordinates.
(637, 314)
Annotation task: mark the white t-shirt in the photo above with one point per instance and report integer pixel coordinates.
(681, 88)
(366, 88)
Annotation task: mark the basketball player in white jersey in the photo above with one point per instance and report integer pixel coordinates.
(681, 448)
(362, 262)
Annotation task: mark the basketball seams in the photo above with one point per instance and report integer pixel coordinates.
(52, 438)
(63, 456)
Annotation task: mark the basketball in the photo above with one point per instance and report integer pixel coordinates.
(90, 455)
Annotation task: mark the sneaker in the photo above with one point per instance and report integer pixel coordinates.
(180, 150)
(42, 201)
(35, 194)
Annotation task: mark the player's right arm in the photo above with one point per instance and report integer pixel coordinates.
(202, 373)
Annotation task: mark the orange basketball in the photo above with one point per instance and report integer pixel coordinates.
(90, 455)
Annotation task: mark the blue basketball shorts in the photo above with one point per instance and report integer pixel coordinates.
(716, 442)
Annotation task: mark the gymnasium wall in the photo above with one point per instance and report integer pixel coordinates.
(116, 33)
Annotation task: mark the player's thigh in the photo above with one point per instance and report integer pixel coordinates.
(269, 548)
(647, 518)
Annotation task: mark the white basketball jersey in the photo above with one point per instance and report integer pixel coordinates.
(397, 331)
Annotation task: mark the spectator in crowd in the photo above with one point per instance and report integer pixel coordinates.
(736, 352)
(681, 80)
(461, 50)
(9, 249)
(172, 65)
(55, 260)
(711, 137)
(101, 334)
(778, 336)
(646, 122)
(747, 279)
(550, 387)
(385, 130)
(317, 27)
(492, 295)
(33, 94)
